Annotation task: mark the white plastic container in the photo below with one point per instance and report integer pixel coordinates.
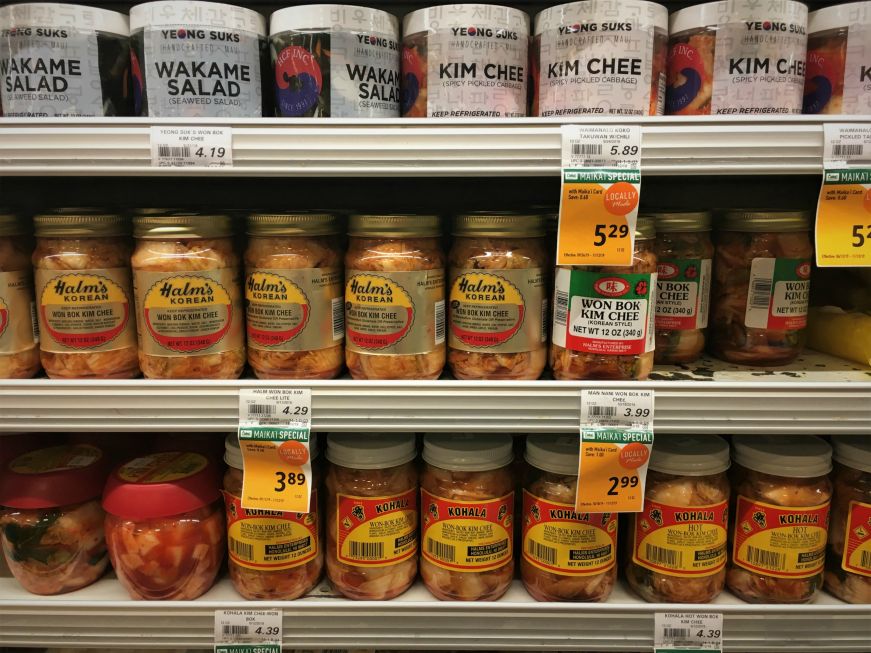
(600, 57)
(338, 61)
(197, 59)
(465, 61)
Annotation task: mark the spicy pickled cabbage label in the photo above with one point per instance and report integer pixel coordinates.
(683, 290)
(17, 331)
(778, 294)
(779, 541)
(376, 531)
(857, 545)
(559, 540)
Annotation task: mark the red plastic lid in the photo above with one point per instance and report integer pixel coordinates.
(161, 485)
(53, 477)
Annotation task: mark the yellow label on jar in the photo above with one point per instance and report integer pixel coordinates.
(857, 544)
(376, 531)
(162, 467)
(17, 331)
(56, 459)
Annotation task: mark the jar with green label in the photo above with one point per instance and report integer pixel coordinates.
(19, 353)
(497, 297)
(84, 295)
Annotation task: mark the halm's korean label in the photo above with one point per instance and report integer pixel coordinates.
(682, 293)
(857, 544)
(376, 531)
(16, 318)
(778, 294)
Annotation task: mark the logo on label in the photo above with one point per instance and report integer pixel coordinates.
(819, 87)
(485, 32)
(491, 303)
(686, 72)
(667, 271)
(611, 287)
(278, 302)
(803, 270)
(298, 80)
(379, 311)
(412, 74)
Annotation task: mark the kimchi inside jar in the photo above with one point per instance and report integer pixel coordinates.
(677, 546)
(467, 516)
(165, 525)
(84, 295)
(372, 515)
(780, 495)
(272, 554)
(19, 352)
(395, 297)
(186, 275)
(293, 296)
(762, 269)
(497, 297)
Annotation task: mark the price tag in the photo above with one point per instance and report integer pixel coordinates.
(247, 631)
(191, 147)
(843, 225)
(616, 438)
(601, 186)
(274, 430)
(685, 632)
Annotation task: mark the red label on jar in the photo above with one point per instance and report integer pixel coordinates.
(857, 545)
(376, 531)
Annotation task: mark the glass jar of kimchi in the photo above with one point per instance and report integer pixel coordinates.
(372, 497)
(467, 516)
(19, 351)
(762, 269)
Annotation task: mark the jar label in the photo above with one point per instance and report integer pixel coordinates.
(394, 312)
(857, 544)
(779, 541)
(17, 320)
(604, 313)
(687, 541)
(85, 311)
(498, 312)
(56, 459)
(683, 292)
(188, 313)
(270, 540)
(162, 467)
(857, 71)
(778, 293)
(559, 540)
(376, 531)
(824, 83)
(294, 310)
(467, 535)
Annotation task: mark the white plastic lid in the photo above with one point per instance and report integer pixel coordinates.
(334, 17)
(839, 16)
(196, 13)
(644, 14)
(233, 454)
(690, 455)
(734, 11)
(466, 15)
(53, 14)
(557, 454)
(853, 451)
(465, 452)
(370, 450)
(796, 456)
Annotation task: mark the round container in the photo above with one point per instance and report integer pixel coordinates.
(683, 284)
(779, 483)
(677, 553)
(616, 294)
(465, 61)
(596, 58)
(838, 49)
(372, 515)
(567, 556)
(84, 295)
(848, 559)
(51, 522)
(165, 526)
(197, 59)
(63, 60)
(467, 516)
(497, 298)
(19, 353)
(188, 297)
(762, 269)
(293, 296)
(339, 61)
(737, 57)
(273, 555)
(395, 297)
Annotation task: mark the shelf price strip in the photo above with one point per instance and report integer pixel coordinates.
(599, 194)
(191, 147)
(687, 632)
(247, 631)
(843, 225)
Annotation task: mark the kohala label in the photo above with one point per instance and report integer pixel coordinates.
(857, 545)
(376, 531)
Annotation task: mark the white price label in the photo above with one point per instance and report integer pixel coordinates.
(601, 146)
(683, 632)
(277, 407)
(191, 147)
(631, 409)
(247, 631)
(847, 145)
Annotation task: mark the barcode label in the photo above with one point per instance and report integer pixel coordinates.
(232, 629)
(241, 549)
(660, 95)
(760, 293)
(366, 550)
(561, 308)
(601, 411)
(766, 559)
(34, 321)
(261, 409)
(544, 320)
(338, 308)
(661, 556)
(865, 559)
(848, 149)
(440, 550)
(676, 633)
(586, 149)
(542, 552)
(439, 322)
(174, 151)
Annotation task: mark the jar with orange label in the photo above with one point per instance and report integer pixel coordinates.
(678, 540)
(781, 494)
(187, 284)
(19, 353)
(84, 295)
(372, 515)
(567, 556)
(467, 516)
(272, 554)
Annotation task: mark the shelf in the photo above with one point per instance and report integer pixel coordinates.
(102, 615)
(704, 145)
(816, 394)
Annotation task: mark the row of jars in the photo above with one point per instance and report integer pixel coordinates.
(771, 530)
(390, 321)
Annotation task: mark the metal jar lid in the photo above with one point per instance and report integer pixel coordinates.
(760, 221)
(645, 229)
(398, 225)
(182, 226)
(80, 222)
(292, 224)
(11, 224)
(681, 221)
(494, 224)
